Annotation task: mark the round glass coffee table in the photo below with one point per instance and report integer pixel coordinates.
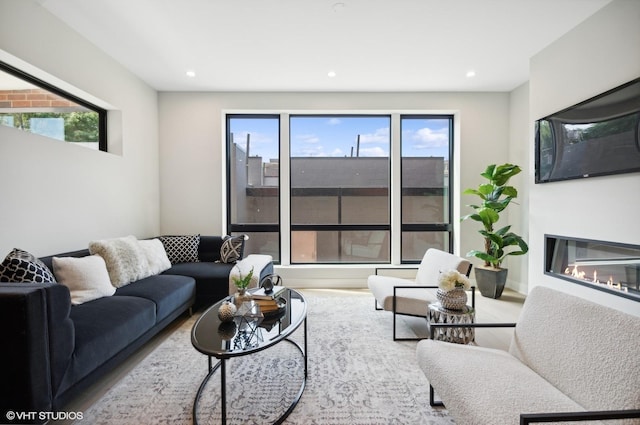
(246, 335)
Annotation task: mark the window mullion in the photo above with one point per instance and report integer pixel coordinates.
(285, 191)
(396, 190)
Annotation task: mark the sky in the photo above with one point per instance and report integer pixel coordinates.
(336, 136)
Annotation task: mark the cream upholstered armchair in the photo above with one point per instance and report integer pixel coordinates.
(412, 297)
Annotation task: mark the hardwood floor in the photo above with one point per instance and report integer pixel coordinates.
(505, 309)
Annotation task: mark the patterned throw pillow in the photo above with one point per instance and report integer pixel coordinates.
(232, 249)
(181, 249)
(22, 266)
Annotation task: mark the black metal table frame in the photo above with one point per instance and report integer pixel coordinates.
(222, 366)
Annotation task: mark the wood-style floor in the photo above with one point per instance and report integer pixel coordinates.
(505, 309)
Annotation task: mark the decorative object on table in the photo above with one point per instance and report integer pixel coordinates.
(452, 287)
(241, 285)
(262, 294)
(248, 318)
(496, 195)
(248, 315)
(226, 311)
(227, 330)
(269, 282)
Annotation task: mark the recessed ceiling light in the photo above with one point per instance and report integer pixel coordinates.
(331, 74)
(471, 73)
(191, 74)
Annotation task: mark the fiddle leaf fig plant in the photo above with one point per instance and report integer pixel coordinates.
(496, 195)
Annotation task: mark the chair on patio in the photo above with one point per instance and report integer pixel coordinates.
(412, 297)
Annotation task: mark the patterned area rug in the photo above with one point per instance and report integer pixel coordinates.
(357, 375)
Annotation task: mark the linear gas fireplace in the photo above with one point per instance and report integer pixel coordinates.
(606, 266)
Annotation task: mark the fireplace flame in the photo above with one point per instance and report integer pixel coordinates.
(575, 272)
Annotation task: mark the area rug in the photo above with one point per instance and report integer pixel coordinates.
(356, 375)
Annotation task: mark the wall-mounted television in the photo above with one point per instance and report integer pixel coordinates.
(597, 137)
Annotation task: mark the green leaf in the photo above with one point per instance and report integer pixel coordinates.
(488, 172)
(504, 230)
(504, 172)
(488, 216)
(472, 192)
(473, 216)
(486, 189)
(510, 191)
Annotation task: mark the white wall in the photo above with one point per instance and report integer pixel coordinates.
(192, 154)
(601, 53)
(58, 197)
(519, 153)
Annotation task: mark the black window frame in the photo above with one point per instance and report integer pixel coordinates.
(349, 226)
(102, 113)
(238, 228)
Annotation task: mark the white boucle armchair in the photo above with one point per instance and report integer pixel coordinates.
(412, 297)
(569, 359)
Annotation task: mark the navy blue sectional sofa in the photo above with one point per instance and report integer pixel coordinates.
(53, 350)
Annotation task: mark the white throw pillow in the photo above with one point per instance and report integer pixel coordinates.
(156, 256)
(86, 277)
(126, 262)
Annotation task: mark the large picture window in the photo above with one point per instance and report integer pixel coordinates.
(340, 187)
(32, 105)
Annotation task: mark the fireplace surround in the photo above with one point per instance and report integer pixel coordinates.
(606, 266)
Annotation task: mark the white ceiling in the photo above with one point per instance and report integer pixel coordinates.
(291, 45)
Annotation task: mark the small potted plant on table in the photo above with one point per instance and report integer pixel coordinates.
(242, 283)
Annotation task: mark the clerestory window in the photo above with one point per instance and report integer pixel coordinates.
(32, 105)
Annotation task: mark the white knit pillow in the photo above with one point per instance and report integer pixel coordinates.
(156, 256)
(86, 277)
(126, 262)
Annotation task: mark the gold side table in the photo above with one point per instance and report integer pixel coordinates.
(439, 314)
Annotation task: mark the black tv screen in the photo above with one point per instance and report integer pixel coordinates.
(597, 137)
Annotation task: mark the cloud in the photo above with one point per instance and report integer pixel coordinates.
(334, 121)
(427, 138)
(381, 135)
(308, 138)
